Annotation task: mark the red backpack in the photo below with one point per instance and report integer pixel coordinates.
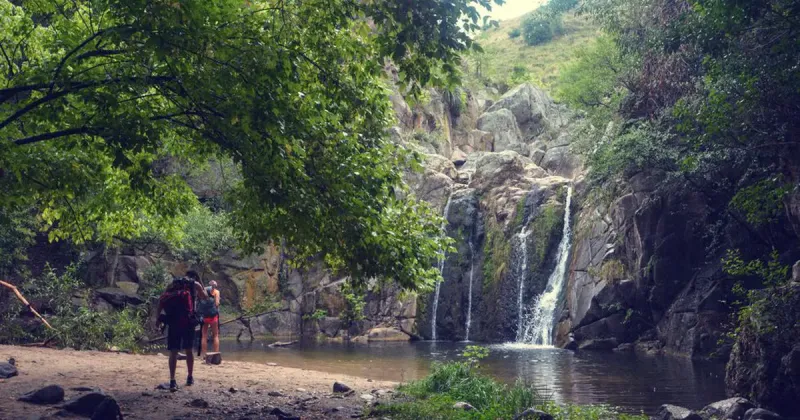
(178, 302)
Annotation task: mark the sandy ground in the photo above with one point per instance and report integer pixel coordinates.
(233, 390)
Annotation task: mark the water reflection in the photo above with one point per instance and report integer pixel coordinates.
(629, 381)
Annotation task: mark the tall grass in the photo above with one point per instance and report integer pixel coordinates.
(433, 398)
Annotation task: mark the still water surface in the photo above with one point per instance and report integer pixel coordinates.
(634, 383)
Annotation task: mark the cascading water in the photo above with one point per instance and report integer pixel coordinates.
(469, 299)
(537, 326)
(522, 241)
(442, 259)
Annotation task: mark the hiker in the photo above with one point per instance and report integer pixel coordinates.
(209, 309)
(178, 302)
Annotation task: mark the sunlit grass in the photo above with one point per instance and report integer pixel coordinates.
(541, 63)
(433, 398)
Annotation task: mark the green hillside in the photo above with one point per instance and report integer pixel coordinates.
(512, 61)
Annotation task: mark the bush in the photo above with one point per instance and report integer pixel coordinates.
(538, 28)
(515, 33)
(76, 326)
(205, 235)
(433, 398)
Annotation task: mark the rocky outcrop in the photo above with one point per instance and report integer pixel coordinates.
(639, 272)
(765, 362)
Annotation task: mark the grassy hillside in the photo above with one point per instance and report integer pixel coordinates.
(512, 61)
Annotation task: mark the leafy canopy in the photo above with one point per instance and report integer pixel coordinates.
(97, 97)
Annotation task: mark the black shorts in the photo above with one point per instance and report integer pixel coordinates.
(180, 338)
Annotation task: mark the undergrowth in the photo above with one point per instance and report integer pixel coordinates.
(434, 396)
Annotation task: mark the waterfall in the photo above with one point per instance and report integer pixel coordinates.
(442, 259)
(522, 241)
(537, 327)
(469, 300)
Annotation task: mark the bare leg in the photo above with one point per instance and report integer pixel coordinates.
(215, 331)
(189, 361)
(173, 363)
(204, 339)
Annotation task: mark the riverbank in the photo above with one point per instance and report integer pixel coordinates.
(232, 390)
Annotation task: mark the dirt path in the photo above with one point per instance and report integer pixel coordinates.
(233, 390)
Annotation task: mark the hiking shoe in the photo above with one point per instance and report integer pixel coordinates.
(189, 381)
(173, 385)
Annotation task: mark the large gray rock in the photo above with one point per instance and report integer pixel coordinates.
(387, 334)
(7, 370)
(761, 414)
(560, 161)
(732, 408)
(496, 169)
(481, 141)
(533, 109)
(50, 394)
(674, 412)
(504, 129)
(108, 410)
(118, 297)
(86, 404)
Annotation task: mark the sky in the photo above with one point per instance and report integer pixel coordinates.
(513, 8)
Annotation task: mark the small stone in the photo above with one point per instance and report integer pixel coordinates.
(213, 358)
(107, 410)
(233, 390)
(275, 394)
(761, 414)
(272, 364)
(337, 409)
(181, 356)
(461, 405)
(732, 408)
(12, 361)
(301, 390)
(199, 403)
(8, 370)
(113, 348)
(340, 388)
(147, 394)
(164, 385)
(50, 394)
(282, 344)
(85, 389)
(86, 404)
(369, 380)
(283, 415)
(367, 397)
(531, 412)
(674, 412)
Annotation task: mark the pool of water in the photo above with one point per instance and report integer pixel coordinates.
(634, 383)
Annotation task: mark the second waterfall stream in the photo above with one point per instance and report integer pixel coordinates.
(442, 260)
(536, 325)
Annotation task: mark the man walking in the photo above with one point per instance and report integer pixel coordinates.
(178, 302)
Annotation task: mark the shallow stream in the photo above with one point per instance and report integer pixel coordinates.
(634, 383)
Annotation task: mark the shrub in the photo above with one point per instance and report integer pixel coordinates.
(75, 325)
(538, 28)
(515, 33)
(434, 396)
(205, 235)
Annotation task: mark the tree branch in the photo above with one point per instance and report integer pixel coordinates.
(69, 54)
(54, 135)
(76, 87)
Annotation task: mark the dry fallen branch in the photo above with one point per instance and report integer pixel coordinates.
(241, 318)
(25, 302)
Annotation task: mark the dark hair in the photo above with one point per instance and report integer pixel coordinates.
(193, 275)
